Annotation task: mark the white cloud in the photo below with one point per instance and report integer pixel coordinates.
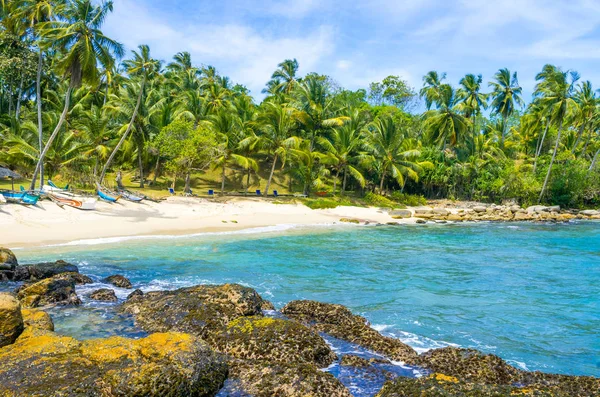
(343, 64)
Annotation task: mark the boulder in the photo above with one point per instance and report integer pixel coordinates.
(272, 340)
(424, 211)
(118, 281)
(169, 364)
(515, 208)
(480, 209)
(78, 278)
(197, 310)
(441, 211)
(37, 319)
(53, 290)
(350, 360)
(421, 221)
(523, 216)
(137, 292)
(400, 214)
(266, 305)
(338, 321)
(11, 319)
(455, 218)
(537, 209)
(554, 208)
(589, 212)
(104, 295)
(8, 264)
(261, 379)
(42, 271)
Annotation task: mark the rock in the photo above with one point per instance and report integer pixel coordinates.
(54, 290)
(400, 214)
(479, 209)
(425, 216)
(118, 281)
(104, 295)
(349, 220)
(11, 319)
(37, 319)
(169, 364)
(523, 216)
(554, 208)
(42, 271)
(260, 379)
(536, 209)
(137, 292)
(78, 278)
(8, 264)
(421, 221)
(272, 340)
(515, 208)
(589, 212)
(455, 218)
(266, 305)
(339, 322)
(441, 211)
(424, 211)
(197, 310)
(350, 360)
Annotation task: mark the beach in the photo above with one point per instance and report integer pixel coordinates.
(48, 223)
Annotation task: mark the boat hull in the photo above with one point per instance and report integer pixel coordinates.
(72, 201)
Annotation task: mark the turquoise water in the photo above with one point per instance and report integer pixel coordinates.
(527, 292)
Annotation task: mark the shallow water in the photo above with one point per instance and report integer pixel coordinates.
(527, 292)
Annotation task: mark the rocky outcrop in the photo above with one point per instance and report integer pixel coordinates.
(137, 292)
(261, 379)
(42, 271)
(55, 290)
(272, 340)
(104, 295)
(168, 364)
(78, 278)
(198, 310)
(37, 319)
(338, 321)
(11, 319)
(118, 281)
(8, 264)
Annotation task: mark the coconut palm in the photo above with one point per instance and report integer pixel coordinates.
(506, 96)
(143, 67)
(283, 79)
(588, 103)
(446, 125)
(555, 91)
(78, 34)
(432, 88)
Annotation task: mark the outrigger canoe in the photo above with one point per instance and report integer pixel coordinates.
(70, 200)
(130, 196)
(22, 197)
(105, 195)
(51, 187)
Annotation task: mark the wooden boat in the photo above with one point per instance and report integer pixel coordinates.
(71, 200)
(22, 197)
(130, 196)
(51, 187)
(106, 195)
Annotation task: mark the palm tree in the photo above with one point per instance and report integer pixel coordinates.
(385, 143)
(445, 124)
(276, 138)
(283, 79)
(506, 96)
(471, 99)
(84, 46)
(588, 103)
(432, 87)
(309, 166)
(142, 66)
(344, 144)
(555, 91)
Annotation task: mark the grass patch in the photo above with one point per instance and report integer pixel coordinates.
(411, 200)
(326, 203)
(377, 200)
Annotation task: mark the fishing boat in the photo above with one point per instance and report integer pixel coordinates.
(51, 187)
(82, 203)
(22, 197)
(106, 195)
(131, 196)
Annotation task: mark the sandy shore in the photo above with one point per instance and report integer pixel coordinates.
(22, 226)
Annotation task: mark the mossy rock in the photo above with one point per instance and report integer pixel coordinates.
(273, 340)
(261, 379)
(11, 319)
(78, 278)
(37, 319)
(169, 364)
(104, 295)
(338, 321)
(198, 310)
(118, 281)
(8, 264)
(55, 290)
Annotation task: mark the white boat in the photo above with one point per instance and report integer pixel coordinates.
(63, 198)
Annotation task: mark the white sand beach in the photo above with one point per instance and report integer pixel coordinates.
(47, 223)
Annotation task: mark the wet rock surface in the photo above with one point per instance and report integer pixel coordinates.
(11, 319)
(118, 281)
(168, 364)
(55, 290)
(8, 264)
(338, 321)
(43, 271)
(37, 319)
(104, 295)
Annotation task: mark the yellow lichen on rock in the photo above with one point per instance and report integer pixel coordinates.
(37, 319)
(444, 378)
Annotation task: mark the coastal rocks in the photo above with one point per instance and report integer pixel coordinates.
(37, 319)
(169, 364)
(272, 340)
(400, 214)
(339, 322)
(137, 292)
(261, 379)
(421, 221)
(350, 220)
(118, 281)
(589, 212)
(480, 209)
(350, 360)
(197, 310)
(104, 295)
(8, 264)
(266, 306)
(77, 278)
(11, 319)
(54, 290)
(42, 271)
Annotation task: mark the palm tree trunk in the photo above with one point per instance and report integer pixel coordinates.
(248, 181)
(156, 169)
(337, 175)
(551, 162)
(587, 142)
(381, 183)
(19, 95)
(105, 94)
(223, 178)
(504, 118)
(187, 183)
(538, 149)
(579, 135)
(271, 175)
(593, 165)
(133, 116)
(119, 180)
(344, 182)
(141, 163)
(58, 127)
(38, 94)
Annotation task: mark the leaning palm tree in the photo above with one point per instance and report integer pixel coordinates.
(555, 91)
(506, 96)
(385, 143)
(142, 66)
(84, 46)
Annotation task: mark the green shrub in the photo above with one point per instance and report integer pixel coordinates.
(411, 200)
(377, 200)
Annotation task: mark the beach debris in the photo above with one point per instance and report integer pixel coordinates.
(118, 280)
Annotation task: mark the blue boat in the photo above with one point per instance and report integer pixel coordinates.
(22, 197)
(106, 196)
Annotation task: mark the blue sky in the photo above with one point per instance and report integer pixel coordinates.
(357, 42)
